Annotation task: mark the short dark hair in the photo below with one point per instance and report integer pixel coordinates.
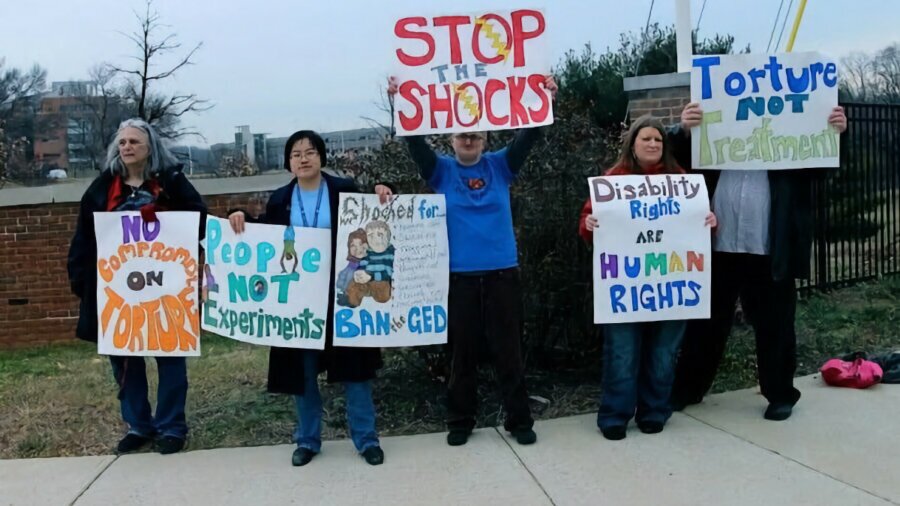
(313, 138)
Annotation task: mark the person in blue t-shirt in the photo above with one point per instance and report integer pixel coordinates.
(485, 298)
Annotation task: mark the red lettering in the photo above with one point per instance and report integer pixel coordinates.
(401, 30)
(410, 123)
(476, 46)
(453, 23)
(520, 36)
(436, 104)
(461, 103)
(516, 109)
(493, 86)
(536, 83)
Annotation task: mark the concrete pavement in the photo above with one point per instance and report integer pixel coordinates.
(840, 447)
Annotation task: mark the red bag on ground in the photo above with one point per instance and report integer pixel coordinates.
(860, 373)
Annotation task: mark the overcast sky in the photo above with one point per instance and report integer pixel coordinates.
(282, 65)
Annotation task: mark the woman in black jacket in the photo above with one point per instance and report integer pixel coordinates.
(139, 174)
(302, 203)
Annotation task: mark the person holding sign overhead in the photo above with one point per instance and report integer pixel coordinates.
(139, 174)
(310, 199)
(638, 358)
(485, 297)
(762, 245)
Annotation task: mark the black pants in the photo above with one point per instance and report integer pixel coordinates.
(769, 306)
(486, 308)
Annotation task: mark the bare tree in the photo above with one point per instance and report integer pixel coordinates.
(385, 104)
(162, 111)
(872, 78)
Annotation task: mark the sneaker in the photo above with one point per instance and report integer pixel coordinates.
(778, 411)
(651, 427)
(169, 444)
(132, 442)
(614, 433)
(374, 455)
(458, 437)
(524, 436)
(302, 456)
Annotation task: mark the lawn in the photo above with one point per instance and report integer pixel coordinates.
(60, 400)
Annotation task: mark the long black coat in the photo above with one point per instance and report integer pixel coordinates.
(341, 363)
(178, 194)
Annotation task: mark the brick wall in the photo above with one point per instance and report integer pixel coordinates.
(36, 306)
(664, 103)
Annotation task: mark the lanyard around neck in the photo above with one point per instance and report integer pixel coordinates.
(318, 205)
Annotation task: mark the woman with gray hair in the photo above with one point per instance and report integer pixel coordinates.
(140, 174)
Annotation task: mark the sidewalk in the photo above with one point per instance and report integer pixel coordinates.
(841, 447)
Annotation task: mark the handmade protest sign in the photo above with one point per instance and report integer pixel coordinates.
(147, 284)
(471, 72)
(651, 248)
(765, 112)
(392, 271)
(268, 285)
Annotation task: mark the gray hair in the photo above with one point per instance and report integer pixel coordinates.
(160, 158)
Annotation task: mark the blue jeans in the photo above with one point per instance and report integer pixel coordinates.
(131, 376)
(638, 371)
(360, 410)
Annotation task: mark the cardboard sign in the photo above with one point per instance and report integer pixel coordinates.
(269, 285)
(392, 271)
(472, 72)
(765, 112)
(147, 284)
(651, 248)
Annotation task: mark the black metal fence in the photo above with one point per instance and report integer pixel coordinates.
(857, 219)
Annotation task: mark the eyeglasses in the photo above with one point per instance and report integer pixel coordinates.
(310, 154)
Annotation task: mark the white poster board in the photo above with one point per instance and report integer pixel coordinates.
(147, 284)
(651, 258)
(471, 72)
(765, 112)
(269, 285)
(392, 271)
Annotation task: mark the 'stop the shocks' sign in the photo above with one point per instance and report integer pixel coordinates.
(764, 112)
(472, 72)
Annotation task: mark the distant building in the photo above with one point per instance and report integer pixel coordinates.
(267, 153)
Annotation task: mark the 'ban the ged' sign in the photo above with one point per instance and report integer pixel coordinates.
(147, 284)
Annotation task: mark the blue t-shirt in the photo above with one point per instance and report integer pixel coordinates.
(479, 216)
(310, 197)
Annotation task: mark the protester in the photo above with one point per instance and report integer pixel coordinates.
(485, 297)
(310, 200)
(761, 246)
(638, 358)
(139, 174)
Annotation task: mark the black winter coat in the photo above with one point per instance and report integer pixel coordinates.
(341, 363)
(177, 194)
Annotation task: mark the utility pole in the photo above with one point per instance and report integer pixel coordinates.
(683, 37)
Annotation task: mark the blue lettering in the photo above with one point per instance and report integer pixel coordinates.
(747, 104)
(311, 259)
(343, 327)
(735, 84)
(213, 238)
(704, 64)
(616, 292)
